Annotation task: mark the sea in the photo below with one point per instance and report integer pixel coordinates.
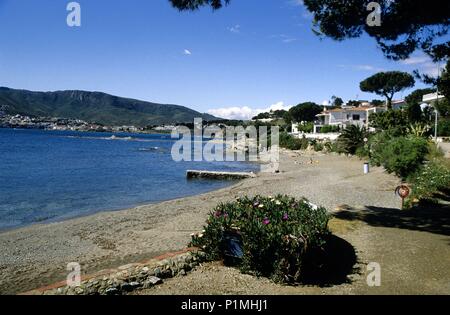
(50, 176)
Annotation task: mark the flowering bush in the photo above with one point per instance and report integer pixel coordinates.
(275, 233)
(428, 181)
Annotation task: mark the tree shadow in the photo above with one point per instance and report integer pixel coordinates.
(427, 217)
(331, 265)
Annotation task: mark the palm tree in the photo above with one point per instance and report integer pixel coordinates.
(352, 138)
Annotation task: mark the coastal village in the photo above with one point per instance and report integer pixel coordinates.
(65, 124)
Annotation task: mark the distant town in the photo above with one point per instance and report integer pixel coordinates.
(67, 124)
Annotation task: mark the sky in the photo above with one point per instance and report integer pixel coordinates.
(249, 57)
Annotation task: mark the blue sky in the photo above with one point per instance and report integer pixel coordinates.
(233, 62)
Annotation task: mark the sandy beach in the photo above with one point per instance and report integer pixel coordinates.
(37, 255)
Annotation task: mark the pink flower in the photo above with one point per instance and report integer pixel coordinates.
(285, 217)
(266, 221)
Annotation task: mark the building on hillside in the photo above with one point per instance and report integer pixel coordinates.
(399, 105)
(343, 117)
(431, 98)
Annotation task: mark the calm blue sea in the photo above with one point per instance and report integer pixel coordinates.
(47, 176)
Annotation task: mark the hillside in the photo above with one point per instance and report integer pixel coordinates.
(95, 107)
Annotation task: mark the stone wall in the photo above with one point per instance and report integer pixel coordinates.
(129, 278)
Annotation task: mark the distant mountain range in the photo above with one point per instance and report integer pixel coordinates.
(95, 107)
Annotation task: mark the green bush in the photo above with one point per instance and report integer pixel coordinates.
(429, 180)
(276, 234)
(329, 129)
(443, 127)
(399, 155)
(362, 152)
(289, 142)
(318, 147)
(306, 128)
(333, 147)
(395, 121)
(352, 138)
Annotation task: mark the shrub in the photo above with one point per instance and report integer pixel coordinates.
(276, 234)
(429, 180)
(352, 138)
(329, 129)
(318, 147)
(362, 152)
(289, 142)
(306, 128)
(443, 127)
(399, 155)
(392, 120)
(333, 146)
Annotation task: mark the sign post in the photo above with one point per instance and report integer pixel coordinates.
(403, 192)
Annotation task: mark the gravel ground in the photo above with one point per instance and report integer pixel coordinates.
(38, 255)
(412, 261)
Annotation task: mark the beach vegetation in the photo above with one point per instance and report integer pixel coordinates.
(396, 122)
(430, 181)
(352, 138)
(330, 129)
(290, 142)
(401, 155)
(273, 235)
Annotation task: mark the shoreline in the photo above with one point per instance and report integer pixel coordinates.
(37, 255)
(27, 203)
(108, 210)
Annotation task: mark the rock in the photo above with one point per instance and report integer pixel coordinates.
(192, 265)
(158, 272)
(182, 272)
(128, 287)
(188, 259)
(154, 280)
(79, 290)
(112, 291)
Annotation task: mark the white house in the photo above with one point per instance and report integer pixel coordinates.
(430, 98)
(343, 117)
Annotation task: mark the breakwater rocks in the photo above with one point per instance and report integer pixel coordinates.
(132, 277)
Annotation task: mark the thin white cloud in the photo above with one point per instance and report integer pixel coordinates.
(424, 64)
(187, 52)
(235, 29)
(289, 40)
(432, 69)
(245, 112)
(415, 60)
(369, 68)
(284, 38)
(296, 3)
